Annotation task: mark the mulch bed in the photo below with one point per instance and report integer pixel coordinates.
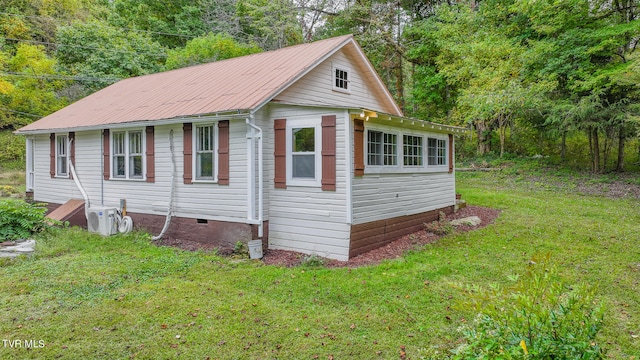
(392, 250)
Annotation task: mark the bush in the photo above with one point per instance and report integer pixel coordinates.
(538, 317)
(440, 227)
(20, 220)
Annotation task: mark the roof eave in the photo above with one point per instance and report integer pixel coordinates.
(226, 115)
(406, 122)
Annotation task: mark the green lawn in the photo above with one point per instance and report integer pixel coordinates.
(120, 297)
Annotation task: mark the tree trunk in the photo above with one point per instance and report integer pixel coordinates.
(502, 130)
(596, 151)
(621, 140)
(484, 137)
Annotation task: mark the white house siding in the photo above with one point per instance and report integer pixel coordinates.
(199, 200)
(307, 219)
(316, 87)
(45, 188)
(383, 196)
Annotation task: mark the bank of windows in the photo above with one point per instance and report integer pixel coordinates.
(382, 150)
(127, 154)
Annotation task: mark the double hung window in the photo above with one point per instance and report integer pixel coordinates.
(62, 156)
(205, 151)
(128, 154)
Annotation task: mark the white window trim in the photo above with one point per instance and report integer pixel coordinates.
(68, 148)
(400, 168)
(194, 156)
(346, 69)
(294, 124)
(127, 155)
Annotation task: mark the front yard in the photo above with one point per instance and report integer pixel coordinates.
(84, 296)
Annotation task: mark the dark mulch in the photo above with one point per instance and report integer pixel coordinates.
(392, 250)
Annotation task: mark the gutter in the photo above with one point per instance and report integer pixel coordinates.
(240, 113)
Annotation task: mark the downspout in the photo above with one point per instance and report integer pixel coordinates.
(258, 136)
(172, 190)
(84, 194)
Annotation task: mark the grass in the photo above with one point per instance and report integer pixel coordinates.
(87, 296)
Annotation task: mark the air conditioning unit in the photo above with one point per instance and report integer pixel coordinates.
(102, 220)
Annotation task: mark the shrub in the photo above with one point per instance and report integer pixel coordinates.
(440, 227)
(312, 260)
(538, 317)
(19, 220)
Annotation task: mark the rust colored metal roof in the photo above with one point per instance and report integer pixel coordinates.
(237, 84)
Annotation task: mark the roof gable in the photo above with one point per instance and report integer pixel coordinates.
(238, 84)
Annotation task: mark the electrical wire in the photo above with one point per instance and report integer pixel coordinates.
(20, 112)
(85, 47)
(57, 77)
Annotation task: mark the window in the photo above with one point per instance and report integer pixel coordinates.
(205, 152)
(341, 79)
(382, 148)
(412, 150)
(303, 153)
(62, 156)
(436, 151)
(127, 154)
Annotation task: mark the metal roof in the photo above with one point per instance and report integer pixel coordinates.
(239, 84)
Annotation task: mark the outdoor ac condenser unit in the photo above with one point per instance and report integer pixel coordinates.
(101, 220)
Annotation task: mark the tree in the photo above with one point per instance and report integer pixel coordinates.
(104, 54)
(29, 90)
(208, 48)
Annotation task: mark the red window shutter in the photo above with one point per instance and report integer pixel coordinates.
(329, 153)
(106, 170)
(187, 130)
(223, 152)
(358, 147)
(280, 153)
(450, 153)
(150, 154)
(72, 150)
(52, 155)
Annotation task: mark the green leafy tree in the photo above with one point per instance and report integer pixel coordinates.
(28, 89)
(208, 48)
(106, 54)
(269, 23)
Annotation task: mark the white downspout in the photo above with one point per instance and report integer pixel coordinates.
(84, 194)
(249, 122)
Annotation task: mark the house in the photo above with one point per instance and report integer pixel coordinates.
(303, 147)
